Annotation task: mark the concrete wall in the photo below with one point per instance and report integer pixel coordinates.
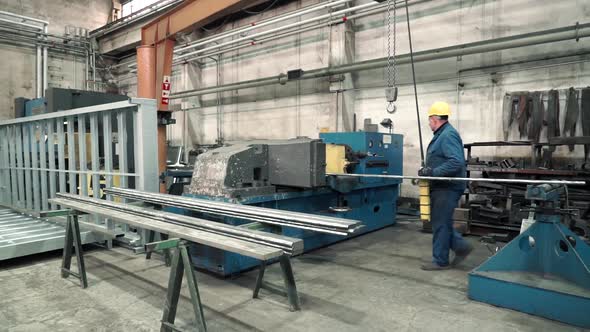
(304, 108)
(17, 68)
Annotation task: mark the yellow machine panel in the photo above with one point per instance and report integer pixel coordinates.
(336, 158)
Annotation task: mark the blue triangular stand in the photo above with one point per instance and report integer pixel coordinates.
(544, 271)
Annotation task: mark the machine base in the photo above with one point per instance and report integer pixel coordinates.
(544, 272)
(378, 214)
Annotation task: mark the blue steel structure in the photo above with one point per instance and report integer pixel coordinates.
(544, 271)
(371, 200)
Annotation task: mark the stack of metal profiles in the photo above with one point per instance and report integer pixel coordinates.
(164, 222)
(317, 223)
(22, 235)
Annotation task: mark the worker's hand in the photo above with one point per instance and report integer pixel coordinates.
(425, 171)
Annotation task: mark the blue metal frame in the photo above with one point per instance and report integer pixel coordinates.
(371, 200)
(544, 271)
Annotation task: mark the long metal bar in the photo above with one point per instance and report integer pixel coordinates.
(245, 209)
(74, 171)
(95, 159)
(440, 178)
(61, 159)
(324, 224)
(34, 163)
(210, 239)
(27, 163)
(51, 157)
(123, 153)
(546, 36)
(107, 136)
(19, 162)
(74, 112)
(122, 147)
(43, 163)
(12, 163)
(82, 154)
(95, 155)
(72, 154)
(5, 174)
(290, 245)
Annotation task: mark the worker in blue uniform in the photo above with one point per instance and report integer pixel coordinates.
(444, 158)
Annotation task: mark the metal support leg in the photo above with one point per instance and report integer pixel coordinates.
(166, 252)
(73, 241)
(174, 283)
(181, 265)
(151, 238)
(289, 280)
(193, 289)
(259, 279)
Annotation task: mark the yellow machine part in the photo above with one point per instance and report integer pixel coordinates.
(336, 158)
(424, 200)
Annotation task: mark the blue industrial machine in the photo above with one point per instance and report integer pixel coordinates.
(291, 175)
(35, 107)
(544, 271)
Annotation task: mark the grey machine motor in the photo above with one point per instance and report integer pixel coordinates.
(260, 167)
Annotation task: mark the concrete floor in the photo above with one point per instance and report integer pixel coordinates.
(371, 283)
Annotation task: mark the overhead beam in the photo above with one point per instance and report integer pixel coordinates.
(187, 15)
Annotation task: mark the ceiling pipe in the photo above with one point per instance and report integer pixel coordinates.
(45, 63)
(24, 18)
(261, 24)
(255, 25)
(284, 27)
(574, 32)
(252, 41)
(255, 42)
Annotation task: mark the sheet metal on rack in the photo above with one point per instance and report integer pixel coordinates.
(22, 235)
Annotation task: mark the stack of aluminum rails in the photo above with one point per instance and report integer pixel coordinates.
(317, 223)
(290, 246)
(23, 235)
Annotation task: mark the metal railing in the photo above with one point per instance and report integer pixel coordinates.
(80, 151)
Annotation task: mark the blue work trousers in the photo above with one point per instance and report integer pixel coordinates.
(445, 237)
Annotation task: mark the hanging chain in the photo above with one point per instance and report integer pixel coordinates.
(391, 90)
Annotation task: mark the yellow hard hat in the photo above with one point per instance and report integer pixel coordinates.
(439, 108)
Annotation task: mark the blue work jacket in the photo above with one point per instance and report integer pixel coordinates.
(446, 157)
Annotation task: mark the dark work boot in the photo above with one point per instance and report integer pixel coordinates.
(461, 255)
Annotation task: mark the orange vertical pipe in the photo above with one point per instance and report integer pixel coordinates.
(164, 53)
(146, 72)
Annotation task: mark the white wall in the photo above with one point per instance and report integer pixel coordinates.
(305, 107)
(17, 68)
